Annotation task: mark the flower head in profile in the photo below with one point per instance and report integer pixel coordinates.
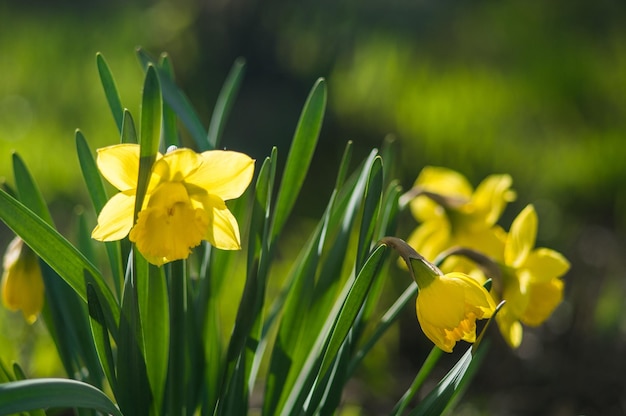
(532, 285)
(452, 213)
(22, 282)
(183, 205)
(447, 305)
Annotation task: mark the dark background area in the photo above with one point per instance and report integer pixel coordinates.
(534, 89)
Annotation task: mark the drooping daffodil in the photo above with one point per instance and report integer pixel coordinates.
(22, 282)
(447, 305)
(184, 201)
(532, 284)
(451, 213)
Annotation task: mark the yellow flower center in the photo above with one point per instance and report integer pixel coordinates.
(169, 227)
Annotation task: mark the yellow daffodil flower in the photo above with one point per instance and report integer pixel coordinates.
(22, 282)
(184, 202)
(453, 214)
(532, 286)
(447, 305)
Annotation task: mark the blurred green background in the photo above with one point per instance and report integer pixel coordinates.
(535, 89)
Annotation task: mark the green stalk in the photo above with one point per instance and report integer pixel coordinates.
(427, 367)
(178, 308)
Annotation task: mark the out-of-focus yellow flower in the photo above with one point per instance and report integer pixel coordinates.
(532, 286)
(22, 282)
(448, 306)
(184, 202)
(453, 214)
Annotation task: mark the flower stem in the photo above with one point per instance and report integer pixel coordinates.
(429, 364)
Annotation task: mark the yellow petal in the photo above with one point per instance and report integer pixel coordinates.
(491, 197)
(431, 238)
(119, 164)
(116, 218)
(543, 298)
(225, 174)
(182, 163)
(223, 232)
(442, 181)
(169, 226)
(510, 328)
(521, 238)
(545, 264)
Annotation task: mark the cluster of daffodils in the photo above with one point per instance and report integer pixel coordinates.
(456, 219)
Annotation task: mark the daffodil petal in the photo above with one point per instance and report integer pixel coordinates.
(116, 218)
(182, 163)
(431, 238)
(510, 328)
(442, 181)
(119, 164)
(223, 231)
(491, 197)
(521, 238)
(543, 298)
(545, 264)
(225, 174)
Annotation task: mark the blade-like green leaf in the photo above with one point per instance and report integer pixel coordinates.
(110, 90)
(178, 337)
(129, 132)
(300, 155)
(155, 325)
(28, 191)
(26, 395)
(170, 131)
(224, 102)
(133, 395)
(100, 334)
(150, 133)
(352, 305)
(371, 205)
(95, 186)
(179, 103)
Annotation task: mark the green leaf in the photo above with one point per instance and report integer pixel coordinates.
(100, 333)
(178, 338)
(28, 192)
(300, 155)
(133, 395)
(150, 133)
(155, 325)
(442, 396)
(97, 192)
(352, 305)
(129, 133)
(179, 103)
(56, 251)
(110, 90)
(170, 130)
(27, 395)
(224, 103)
(371, 205)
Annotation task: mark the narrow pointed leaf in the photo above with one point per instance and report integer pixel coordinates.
(170, 130)
(224, 103)
(110, 90)
(300, 154)
(100, 333)
(28, 191)
(179, 103)
(129, 132)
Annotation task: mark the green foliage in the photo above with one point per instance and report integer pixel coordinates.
(155, 335)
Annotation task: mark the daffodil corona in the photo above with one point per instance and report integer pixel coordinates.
(22, 282)
(183, 205)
